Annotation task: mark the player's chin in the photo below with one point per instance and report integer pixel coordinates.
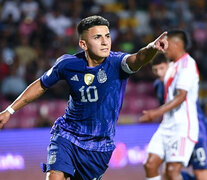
(104, 54)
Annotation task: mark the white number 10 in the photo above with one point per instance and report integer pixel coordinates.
(89, 91)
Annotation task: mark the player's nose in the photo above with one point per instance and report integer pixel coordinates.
(104, 41)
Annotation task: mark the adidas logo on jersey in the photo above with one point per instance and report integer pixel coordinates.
(75, 78)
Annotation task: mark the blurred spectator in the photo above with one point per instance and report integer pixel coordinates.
(200, 33)
(181, 9)
(4, 69)
(31, 71)
(47, 4)
(27, 26)
(29, 8)
(9, 31)
(11, 7)
(25, 53)
(128, 42)
(161, 17)
(58, 22)
(42, 33)
(7, 52)
(43, 119)
(12, 85)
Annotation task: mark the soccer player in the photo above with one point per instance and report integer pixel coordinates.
(160, 66)
(177, 134)
(82, 139)
(199, 156)
(198, 159)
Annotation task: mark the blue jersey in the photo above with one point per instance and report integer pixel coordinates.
(159, 90)
(202, 122)
(95, 99)
(199, 156)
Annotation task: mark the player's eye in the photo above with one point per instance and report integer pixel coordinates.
(108, 35)
(97, 37)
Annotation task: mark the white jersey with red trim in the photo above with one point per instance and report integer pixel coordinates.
(182, 74)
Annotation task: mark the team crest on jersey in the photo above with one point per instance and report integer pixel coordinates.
(88, 79)
(101, 76)
(52, 158)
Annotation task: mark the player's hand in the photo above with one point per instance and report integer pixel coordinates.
(149, 115)
(4, 117)
(161, 43)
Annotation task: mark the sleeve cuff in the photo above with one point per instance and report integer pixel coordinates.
(125, 66)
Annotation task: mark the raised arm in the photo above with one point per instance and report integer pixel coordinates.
(146, 54)
(32, 92)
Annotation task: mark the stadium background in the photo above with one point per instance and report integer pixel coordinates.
(34, 33)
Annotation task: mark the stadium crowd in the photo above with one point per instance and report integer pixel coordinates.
(34, 33)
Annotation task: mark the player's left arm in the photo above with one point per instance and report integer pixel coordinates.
(149, 115)
(146, 54)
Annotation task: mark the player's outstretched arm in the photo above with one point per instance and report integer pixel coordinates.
(149, 115)
(146, 54)
(32, 92)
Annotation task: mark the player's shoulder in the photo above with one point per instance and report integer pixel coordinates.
(192, 63)
(116, 57)
(191, 59)
(187, 61)
(70, 59)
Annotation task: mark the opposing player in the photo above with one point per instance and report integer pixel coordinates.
(198, 159)
(177, 134)
(199, 156)
(82, 139)
(160, 65)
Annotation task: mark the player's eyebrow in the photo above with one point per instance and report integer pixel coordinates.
(107, 34)
(99, 35)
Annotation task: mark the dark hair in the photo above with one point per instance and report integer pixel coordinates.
(91, 21)
(182, 35)
(158, 59)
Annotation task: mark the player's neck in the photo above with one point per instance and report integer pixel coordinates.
(93, 60)
(179, 55)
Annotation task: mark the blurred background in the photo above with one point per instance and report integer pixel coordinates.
(33, 34)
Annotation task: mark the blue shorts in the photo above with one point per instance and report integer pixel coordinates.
(78, 163)
(199, 157)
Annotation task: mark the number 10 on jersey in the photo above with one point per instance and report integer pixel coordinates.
(89, 93)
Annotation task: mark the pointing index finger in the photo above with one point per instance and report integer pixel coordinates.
(162, 35)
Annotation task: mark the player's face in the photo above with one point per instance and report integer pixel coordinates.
(173, 48)
(170, 50)
(96, 42)
(160, 70)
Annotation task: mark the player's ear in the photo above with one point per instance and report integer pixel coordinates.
(82, 44)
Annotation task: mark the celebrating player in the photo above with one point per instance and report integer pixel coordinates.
(82, 139)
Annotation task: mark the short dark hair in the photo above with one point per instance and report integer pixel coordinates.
(91, 21)
(158, 59)
(182, 35)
